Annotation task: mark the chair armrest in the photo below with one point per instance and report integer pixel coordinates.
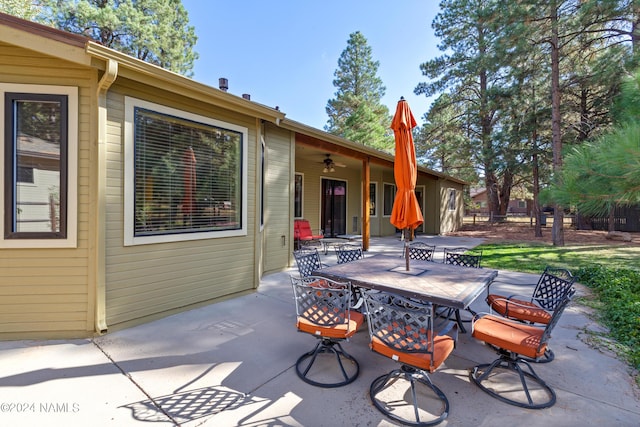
(510, 300)
(539, 301)
(545, 301)
(482, 314)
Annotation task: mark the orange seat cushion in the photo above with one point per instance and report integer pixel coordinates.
(521, 310)
(509, 335)
(443, 346)
(341, 331)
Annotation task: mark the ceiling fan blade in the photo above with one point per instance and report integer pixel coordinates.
(340, 165)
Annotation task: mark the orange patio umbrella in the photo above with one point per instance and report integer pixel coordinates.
(406, 214)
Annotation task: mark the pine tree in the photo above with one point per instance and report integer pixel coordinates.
(605, 173)
(356, 112)
(25, 9)
(155, 31)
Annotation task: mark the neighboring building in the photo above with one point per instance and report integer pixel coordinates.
(156, 193)
(479, 204)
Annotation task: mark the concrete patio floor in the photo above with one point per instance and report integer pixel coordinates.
(232, 363)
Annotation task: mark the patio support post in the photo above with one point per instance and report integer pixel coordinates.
(366, 202)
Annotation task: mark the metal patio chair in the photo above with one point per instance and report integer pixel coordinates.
(461, 257)
(322, 310)
(552, 286)
(348, 253)
(421, 251)
(403, 330)
(307, 260)
(516, 344)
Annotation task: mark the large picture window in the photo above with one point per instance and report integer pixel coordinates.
(39, 159)
(187, 176)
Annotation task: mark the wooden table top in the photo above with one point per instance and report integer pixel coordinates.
(442, 284)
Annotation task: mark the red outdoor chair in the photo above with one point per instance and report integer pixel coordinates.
(303, 234)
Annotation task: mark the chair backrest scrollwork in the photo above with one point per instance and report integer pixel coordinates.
(400, 323)
(321, 301)
(554, 319)
(554, 284)
(460, 256)
(308, 261)
(348, 253)
(421, 251)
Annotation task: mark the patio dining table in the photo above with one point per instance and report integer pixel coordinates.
(441, 284)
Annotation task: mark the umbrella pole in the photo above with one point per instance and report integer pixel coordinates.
(406, 247)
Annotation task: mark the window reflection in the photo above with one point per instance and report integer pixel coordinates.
(37, 184)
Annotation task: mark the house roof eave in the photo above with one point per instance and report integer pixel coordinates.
(353, 147)
(136, 69)
(43, 39)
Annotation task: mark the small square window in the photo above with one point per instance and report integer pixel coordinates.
(452, 199)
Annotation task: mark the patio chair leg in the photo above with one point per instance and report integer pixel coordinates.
(549, 355)
(414, 376)
(482, 372)
(327, 346)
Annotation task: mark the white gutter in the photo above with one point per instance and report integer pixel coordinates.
(109, 76)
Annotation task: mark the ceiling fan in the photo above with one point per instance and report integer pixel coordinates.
(330, 165)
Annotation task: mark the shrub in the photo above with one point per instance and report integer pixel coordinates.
(619, 291)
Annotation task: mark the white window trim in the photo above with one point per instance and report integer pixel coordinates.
(71, 240)
(384, 194)
(377, 207)
(301, 196)
(129, 159)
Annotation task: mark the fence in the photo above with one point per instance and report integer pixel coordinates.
(625, 219)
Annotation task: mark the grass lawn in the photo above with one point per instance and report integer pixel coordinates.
(534, 257)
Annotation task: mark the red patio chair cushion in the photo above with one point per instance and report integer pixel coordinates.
(341, 331)
(302, 230)
(509, 335)
(521, 310)
(443, 346)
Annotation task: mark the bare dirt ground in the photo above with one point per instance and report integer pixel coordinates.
(523, 232)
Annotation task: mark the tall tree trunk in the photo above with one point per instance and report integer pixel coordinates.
(536, 186)
(492, 195)
(557, 231)
(504, 194)
(612, 218)
(585, 126)
(635, 25)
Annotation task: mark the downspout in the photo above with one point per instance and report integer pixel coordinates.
(109, 76)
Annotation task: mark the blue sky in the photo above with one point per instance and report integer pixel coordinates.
(284, 52)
